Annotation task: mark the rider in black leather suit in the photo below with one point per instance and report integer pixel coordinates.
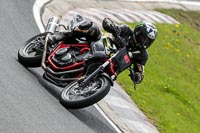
(84, 28)
(136, 40)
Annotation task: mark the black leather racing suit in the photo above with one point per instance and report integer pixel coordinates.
(86, 29)
(140, 57)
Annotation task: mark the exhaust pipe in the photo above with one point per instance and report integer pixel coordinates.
(50, 29)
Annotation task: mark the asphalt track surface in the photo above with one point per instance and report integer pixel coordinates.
(29, 104)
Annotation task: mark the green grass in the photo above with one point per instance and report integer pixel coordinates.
(170, 92)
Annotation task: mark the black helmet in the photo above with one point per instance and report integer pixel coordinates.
(94, 33)
(143, 35)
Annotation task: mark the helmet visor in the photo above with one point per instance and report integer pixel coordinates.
(147, 43)
(143, 41)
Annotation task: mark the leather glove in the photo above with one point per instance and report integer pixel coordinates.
(136, 77)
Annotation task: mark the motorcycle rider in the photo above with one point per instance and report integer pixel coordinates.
(136, 40)
(83, 28)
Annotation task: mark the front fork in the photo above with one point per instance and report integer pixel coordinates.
(99, 69)
(95, 73)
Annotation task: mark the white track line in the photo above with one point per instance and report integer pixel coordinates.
(107, 118)
(36, 13)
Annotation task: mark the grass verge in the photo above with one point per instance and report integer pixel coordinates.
(169, 94)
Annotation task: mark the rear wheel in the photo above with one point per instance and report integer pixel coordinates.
(30, 54)
(73, 96)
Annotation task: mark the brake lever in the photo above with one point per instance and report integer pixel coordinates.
(132, 73)
(135, 86)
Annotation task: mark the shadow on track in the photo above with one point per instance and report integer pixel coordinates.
(53, 90)
(86, 115)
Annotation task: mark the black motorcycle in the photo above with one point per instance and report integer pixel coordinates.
(85, 71)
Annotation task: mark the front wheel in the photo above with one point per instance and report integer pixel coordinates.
(30, 54)
(73, 96)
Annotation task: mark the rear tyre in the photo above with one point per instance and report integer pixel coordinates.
(30, 54)
(74, 97)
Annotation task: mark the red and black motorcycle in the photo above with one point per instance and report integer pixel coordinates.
(85, 71)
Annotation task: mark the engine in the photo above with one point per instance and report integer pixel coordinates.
(63, 57)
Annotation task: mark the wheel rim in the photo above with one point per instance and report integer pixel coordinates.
(35, 47)
(76, 93)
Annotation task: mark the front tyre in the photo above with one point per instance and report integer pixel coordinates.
(74, 97)
(30, 54)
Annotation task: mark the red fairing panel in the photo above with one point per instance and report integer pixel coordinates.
(85, 47)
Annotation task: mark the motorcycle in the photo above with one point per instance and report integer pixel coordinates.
(85, 71)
